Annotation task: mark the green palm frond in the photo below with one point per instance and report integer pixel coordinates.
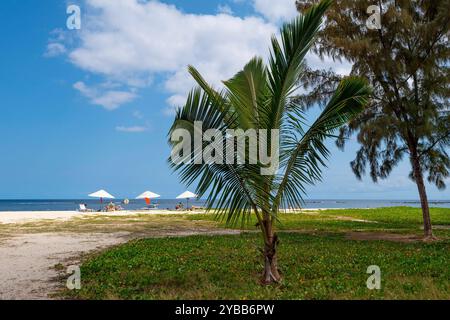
(248, 93)
(260, 97)
(235, 189)
(219, 100)
(303, 158)
(286, 59)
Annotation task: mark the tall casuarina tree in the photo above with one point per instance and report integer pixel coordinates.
(260, 97)
(406, 60)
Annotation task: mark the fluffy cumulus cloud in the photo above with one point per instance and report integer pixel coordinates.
(276, 11)
(131, 42)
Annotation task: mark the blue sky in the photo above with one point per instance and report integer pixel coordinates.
(90, 109)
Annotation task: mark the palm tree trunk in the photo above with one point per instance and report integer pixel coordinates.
(418, 177)
(271, 273)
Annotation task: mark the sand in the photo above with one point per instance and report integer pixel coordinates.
(34, 216)
(28, 257)
(24, 217)
(27, 269)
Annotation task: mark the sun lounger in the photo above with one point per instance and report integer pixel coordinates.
(84, 209)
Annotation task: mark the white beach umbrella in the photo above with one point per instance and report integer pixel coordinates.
(148, 195)
(101, 194)
(187, 195)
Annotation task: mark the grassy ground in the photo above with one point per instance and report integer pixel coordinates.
(318, 260)
(140, 224)
(395, 219)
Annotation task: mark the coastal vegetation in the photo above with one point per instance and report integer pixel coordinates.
(325, 256)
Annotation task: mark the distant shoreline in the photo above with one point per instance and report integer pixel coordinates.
(19, 217)
(49, 205)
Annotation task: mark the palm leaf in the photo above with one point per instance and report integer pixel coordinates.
(286, 59)
(304, 158)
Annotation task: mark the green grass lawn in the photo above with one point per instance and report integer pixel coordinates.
(395, 219)
(319, 262)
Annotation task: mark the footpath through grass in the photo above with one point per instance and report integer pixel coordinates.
(319, 264)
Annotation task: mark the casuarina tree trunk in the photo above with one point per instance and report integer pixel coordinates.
(418, 176)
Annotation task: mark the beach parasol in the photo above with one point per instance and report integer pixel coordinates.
(101, 194)
(187, 195)
(148, 195)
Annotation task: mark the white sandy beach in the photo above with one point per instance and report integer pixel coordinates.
(30, 252)
(8, 217)
(30, 216)
(34, 216)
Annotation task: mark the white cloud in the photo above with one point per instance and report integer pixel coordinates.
(342, 68)
(113, 99)
(276, 11)
(84, 90)
(55, 49)
(174, 102)
(110, 99)
(131, 40)
(57, 43)
(225, 9)
(131, 43)
(135, 129)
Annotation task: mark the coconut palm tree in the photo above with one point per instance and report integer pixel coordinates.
(260, 98)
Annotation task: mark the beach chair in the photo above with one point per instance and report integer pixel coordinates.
(84, 209)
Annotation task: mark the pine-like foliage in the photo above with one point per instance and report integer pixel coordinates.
(407, 64)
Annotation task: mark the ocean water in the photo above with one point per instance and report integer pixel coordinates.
(72, 205)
